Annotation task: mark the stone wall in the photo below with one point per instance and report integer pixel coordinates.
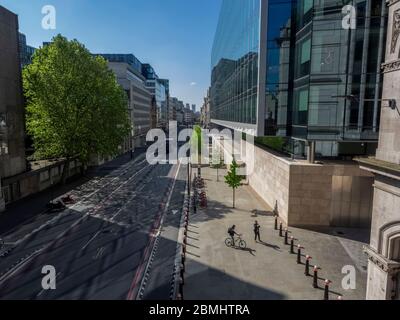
(12, 134)
(384, 249)
(332, 194)
(338, 194)
(270, 179)
(29, 183)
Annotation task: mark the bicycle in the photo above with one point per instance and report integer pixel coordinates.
(239, 240)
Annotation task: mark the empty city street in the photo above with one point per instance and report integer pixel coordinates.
(100, 245)
(200, 159)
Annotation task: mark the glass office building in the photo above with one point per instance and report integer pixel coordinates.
(235, 57)
(249, 59)
(290, 68)
(337, 77)
(127, 58)
(26, 52)
(159, 88)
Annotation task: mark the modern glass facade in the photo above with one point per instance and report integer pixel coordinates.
(290, 68)
(279, 55)
(26, 52)
(235, 63)
(337, 80)
(127, 58)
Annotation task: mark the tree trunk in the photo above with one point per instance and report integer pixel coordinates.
(65, 173)
(217, 175)
(84, 170)
(234, 198)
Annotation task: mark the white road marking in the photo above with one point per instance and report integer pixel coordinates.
(12, 271)
(157, 234)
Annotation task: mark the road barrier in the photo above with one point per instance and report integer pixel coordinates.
(326, 290)
(315, 279)
(299, 247)
(286, 236)
(281, 229)
(276, 223)
(182, 272)
(292, 245)
(307, 268)
(180, 291)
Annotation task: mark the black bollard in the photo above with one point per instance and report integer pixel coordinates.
(307, 269)
(276, 222)
(326, 291)
(281, 230)
(315, 281)
(292, 245)
(299, 254)
(286, 236)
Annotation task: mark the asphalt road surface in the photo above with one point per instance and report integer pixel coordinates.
(100, 246)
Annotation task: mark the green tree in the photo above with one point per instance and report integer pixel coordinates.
(75, 107)
(217, 162)
(197, 143)
(233, 179)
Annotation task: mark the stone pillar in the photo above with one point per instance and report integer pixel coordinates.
(384, 249)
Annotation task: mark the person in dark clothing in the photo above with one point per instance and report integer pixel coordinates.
(257, 231)
(232, 232)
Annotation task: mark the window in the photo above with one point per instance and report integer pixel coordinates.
(307, 6)
(303, 100)
(300, 112)
(305, 51)
(303, 58)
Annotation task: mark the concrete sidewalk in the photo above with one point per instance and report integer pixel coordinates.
(265, 270)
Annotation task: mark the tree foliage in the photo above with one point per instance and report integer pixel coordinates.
(232, 179)
(197, 142)
(75, 107)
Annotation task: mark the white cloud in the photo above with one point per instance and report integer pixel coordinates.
(192, 84)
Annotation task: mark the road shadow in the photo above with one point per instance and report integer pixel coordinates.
(275, 247)
(261, 213)
(249, 250)
(203, 282)
(355, 234)
(17, 214)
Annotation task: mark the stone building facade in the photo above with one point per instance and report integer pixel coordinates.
(384, 249)
(12, 128)
(140, 100)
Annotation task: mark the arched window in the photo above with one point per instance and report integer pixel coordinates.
(389, 242)
(394, 248)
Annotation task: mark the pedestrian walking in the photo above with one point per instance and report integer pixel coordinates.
(257, 231)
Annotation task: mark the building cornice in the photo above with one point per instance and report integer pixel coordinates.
(391, 65)
(386, 265)
(377, 166)
(391, 2)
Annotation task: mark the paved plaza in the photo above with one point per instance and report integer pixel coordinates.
(264, 270)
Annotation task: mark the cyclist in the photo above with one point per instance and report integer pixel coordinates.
(232, 232)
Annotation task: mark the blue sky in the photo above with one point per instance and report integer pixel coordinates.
(175, 36)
